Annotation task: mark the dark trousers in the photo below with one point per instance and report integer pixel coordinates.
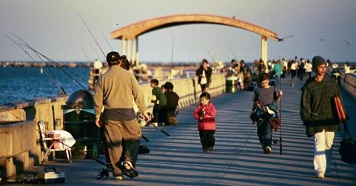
(207, 138)
(165, 115)
(264, 132)
(204, 87)
(157, 109)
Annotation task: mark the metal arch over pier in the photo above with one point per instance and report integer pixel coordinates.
(131, 32)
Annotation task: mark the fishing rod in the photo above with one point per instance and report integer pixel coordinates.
(280, 114)
(92, 35)
(35, 53)
(170, 76)
(52, 79)
(232, 51)
(106, 40)
(209, 52)
(52, 61)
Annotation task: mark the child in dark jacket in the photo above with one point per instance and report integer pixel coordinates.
(205, 114)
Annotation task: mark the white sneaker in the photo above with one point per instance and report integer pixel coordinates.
(154, 124)
(267, 150)
(118, 178)
(320, 175)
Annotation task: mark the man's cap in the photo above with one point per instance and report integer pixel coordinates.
(317, 61)
(113, 57)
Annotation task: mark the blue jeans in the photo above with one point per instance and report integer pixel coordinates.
(264, 132)
(277, 79)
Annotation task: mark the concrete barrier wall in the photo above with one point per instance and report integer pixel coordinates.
(348, 82)
(19, 134)
(17, 142)
(20, 147)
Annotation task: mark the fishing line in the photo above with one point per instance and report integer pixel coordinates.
(209, 52)
(51, 78)
(92, 35)
(35, 53)
(243, 147)
(170, 77)
(57, 65)
(86, 55)
(232, 51)
(280, 108)
(106, 40)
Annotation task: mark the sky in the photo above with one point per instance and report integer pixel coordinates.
(55, 29)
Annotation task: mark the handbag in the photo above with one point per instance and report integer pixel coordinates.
(347, 148)
(275, 122)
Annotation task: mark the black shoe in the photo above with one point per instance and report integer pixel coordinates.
(129, 170)
(205, 149)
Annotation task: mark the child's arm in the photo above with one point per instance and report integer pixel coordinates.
(196, 113)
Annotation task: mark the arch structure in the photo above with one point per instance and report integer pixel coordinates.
(131, 32)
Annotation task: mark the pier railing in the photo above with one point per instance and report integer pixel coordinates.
(348, 82)
(20, 136)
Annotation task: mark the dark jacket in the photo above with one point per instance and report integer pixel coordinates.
(208, 73)
(316, 105)
(172, 100)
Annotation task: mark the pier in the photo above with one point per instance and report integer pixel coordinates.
(238, 159)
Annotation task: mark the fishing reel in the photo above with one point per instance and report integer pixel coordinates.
(202, 113)
(275, 142)
(142, 121)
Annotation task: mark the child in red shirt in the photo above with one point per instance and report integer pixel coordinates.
(205, 114)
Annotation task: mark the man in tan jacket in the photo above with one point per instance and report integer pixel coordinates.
(114, 92)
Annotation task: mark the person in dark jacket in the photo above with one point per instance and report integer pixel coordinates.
(267, 95)
(316, 111)
(169, 112)
(204, 75)
(205, 114)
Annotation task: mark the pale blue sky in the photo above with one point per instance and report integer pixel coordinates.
(54, 28)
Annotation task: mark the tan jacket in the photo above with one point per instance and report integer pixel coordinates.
(116, 89)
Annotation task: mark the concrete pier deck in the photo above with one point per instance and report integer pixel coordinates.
(238, 160)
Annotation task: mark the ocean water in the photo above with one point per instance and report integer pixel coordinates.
(21, 84)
